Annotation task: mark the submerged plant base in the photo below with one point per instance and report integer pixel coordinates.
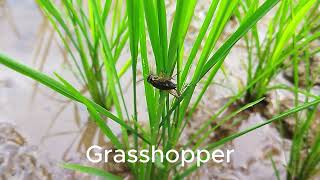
(287, 126)
(313, 72)
(252, 152)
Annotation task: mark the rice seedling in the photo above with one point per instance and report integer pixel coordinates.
(76, 27)
(287, 42)
(304, 162)
(293, 27)
(167, 116)
(94, 55)
(304, 156)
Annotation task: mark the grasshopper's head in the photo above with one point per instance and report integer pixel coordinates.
(151, 78)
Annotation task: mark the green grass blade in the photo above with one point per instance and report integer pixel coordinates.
(94, 114)
(133, 18)
(182, 19)
(207, 133)
(234, 136)
(235, 37)
(60, 88)
(111, 72)
(162, 20)
(153, 29)
(200, 37)
(149, 91)
(275, 169)
(91, 171)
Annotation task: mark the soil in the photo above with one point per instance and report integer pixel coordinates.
(313, 72)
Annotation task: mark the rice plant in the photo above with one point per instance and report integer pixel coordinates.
(294, 26)
(146, 21)
(93, 55)
(304, 162)
(76, 26)
(287, 42)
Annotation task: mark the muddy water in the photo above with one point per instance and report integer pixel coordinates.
(52, 127)
(23, 102)
(47, 121)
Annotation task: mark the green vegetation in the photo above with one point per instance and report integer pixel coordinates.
(293, 27)
(95, 50)
(77, 28)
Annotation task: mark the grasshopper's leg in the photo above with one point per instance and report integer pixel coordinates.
(174, 93)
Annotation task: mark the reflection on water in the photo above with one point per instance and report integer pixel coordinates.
(45, 118)
(5, 11)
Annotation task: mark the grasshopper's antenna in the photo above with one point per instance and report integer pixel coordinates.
(140, 80)
(140, 73)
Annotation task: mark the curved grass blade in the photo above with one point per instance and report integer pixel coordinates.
(94, 114)
(234, 136)
(181, 22)
(91, 171)
(236, 36)
(206, 134)
(60, 88)
(197, 43)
